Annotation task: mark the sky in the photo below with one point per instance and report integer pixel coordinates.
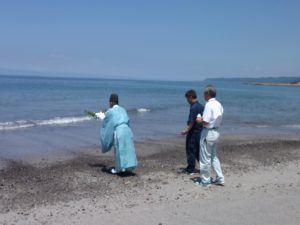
(157, 39)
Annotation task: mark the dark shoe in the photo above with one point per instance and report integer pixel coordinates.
(187, 171)
(219, 183)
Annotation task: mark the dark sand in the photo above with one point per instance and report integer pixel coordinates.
(79, 186)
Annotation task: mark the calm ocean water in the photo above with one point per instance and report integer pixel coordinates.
(39, 115)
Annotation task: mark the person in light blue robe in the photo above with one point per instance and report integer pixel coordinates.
(116, 132)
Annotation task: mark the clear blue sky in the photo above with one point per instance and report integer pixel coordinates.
(155, 39)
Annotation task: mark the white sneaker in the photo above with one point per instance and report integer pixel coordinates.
(200, 183)
(113, 171)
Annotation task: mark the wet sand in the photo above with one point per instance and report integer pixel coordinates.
(262, 187)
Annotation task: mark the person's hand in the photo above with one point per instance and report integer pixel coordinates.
(199, 120)
(184, 132)
(100, 115)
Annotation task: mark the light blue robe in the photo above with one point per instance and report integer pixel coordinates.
(115, 132)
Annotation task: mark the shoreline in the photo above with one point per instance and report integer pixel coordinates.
(57, 154)
(79, 190)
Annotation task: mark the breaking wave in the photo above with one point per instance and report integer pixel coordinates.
(22, 124)
(57, 121)
(141, 110)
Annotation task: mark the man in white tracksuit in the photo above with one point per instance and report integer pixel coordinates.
(211, 120)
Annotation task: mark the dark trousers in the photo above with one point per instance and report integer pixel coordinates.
(192, 149)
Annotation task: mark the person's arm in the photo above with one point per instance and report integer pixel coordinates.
(100, 115)
(192, 121)
(107, 133)
(200, 120)
(206, 116)
(187, 129)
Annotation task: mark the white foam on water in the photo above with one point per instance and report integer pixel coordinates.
(15, 125)
(142, 110)
(63, 120)
(22, 124)
(262, 126)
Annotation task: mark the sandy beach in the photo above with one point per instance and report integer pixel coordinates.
(139, 76)
(262, 187)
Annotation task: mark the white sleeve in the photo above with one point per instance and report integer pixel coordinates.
(100, 115)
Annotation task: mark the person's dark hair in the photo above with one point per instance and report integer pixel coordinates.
(211, 91)
(191, 93)
(114, 98)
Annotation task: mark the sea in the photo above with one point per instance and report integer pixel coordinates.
(45, 115)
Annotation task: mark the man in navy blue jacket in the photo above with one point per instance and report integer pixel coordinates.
(192, 132)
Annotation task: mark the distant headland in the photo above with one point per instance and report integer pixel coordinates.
(265, 81)
(292, 84)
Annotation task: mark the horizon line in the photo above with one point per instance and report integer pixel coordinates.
(91, 77)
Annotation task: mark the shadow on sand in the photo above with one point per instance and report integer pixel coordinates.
(106, 169)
